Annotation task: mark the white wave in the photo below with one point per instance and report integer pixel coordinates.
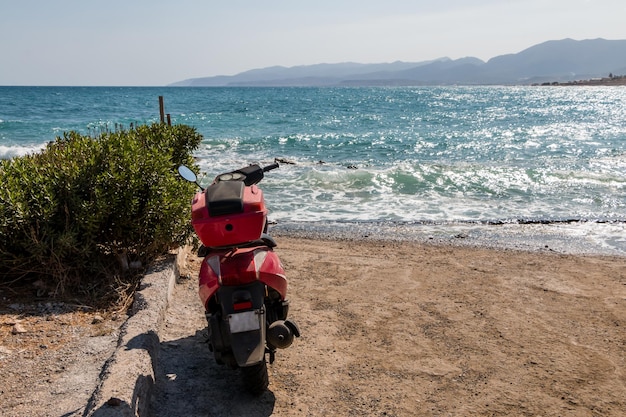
(8, 152)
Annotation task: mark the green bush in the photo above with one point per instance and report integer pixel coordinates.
(70, 213)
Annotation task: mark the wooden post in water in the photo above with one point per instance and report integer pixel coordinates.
(169, 120)
(161, 109)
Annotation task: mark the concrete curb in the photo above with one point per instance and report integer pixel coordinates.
(128, 376)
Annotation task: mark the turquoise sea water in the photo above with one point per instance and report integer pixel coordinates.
(425, 156)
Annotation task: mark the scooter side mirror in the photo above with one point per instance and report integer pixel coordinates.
(187, 174)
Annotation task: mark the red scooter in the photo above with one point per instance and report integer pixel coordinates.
(242, 283)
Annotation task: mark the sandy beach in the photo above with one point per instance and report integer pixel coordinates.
(411, 329)
(388, 328)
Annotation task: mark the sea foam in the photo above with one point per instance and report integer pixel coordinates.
(8, 152)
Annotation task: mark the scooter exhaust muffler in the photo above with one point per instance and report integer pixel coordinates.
(280, 334)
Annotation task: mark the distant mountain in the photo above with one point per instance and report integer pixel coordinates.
(563, 60)
(318, 74)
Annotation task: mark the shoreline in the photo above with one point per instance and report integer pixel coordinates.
(570, 238)
(605, 81)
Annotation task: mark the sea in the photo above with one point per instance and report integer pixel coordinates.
(528, 167)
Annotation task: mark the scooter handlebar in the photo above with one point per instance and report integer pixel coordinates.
(270, 167)
(252, 174)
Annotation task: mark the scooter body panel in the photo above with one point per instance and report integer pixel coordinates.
(233, 289)
(235, 267)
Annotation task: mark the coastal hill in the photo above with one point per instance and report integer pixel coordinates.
(561, 61)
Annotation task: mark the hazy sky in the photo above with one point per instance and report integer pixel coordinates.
(156, 42)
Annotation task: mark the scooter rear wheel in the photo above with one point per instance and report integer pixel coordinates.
(255, 378)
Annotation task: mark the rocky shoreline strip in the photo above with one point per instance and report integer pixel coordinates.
(608, 81)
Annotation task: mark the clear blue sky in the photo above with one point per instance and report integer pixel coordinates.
(156, 42)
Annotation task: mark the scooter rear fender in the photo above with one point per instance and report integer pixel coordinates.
(243, 318)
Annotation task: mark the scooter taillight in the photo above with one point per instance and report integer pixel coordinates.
(244, 305)
(242, 300)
